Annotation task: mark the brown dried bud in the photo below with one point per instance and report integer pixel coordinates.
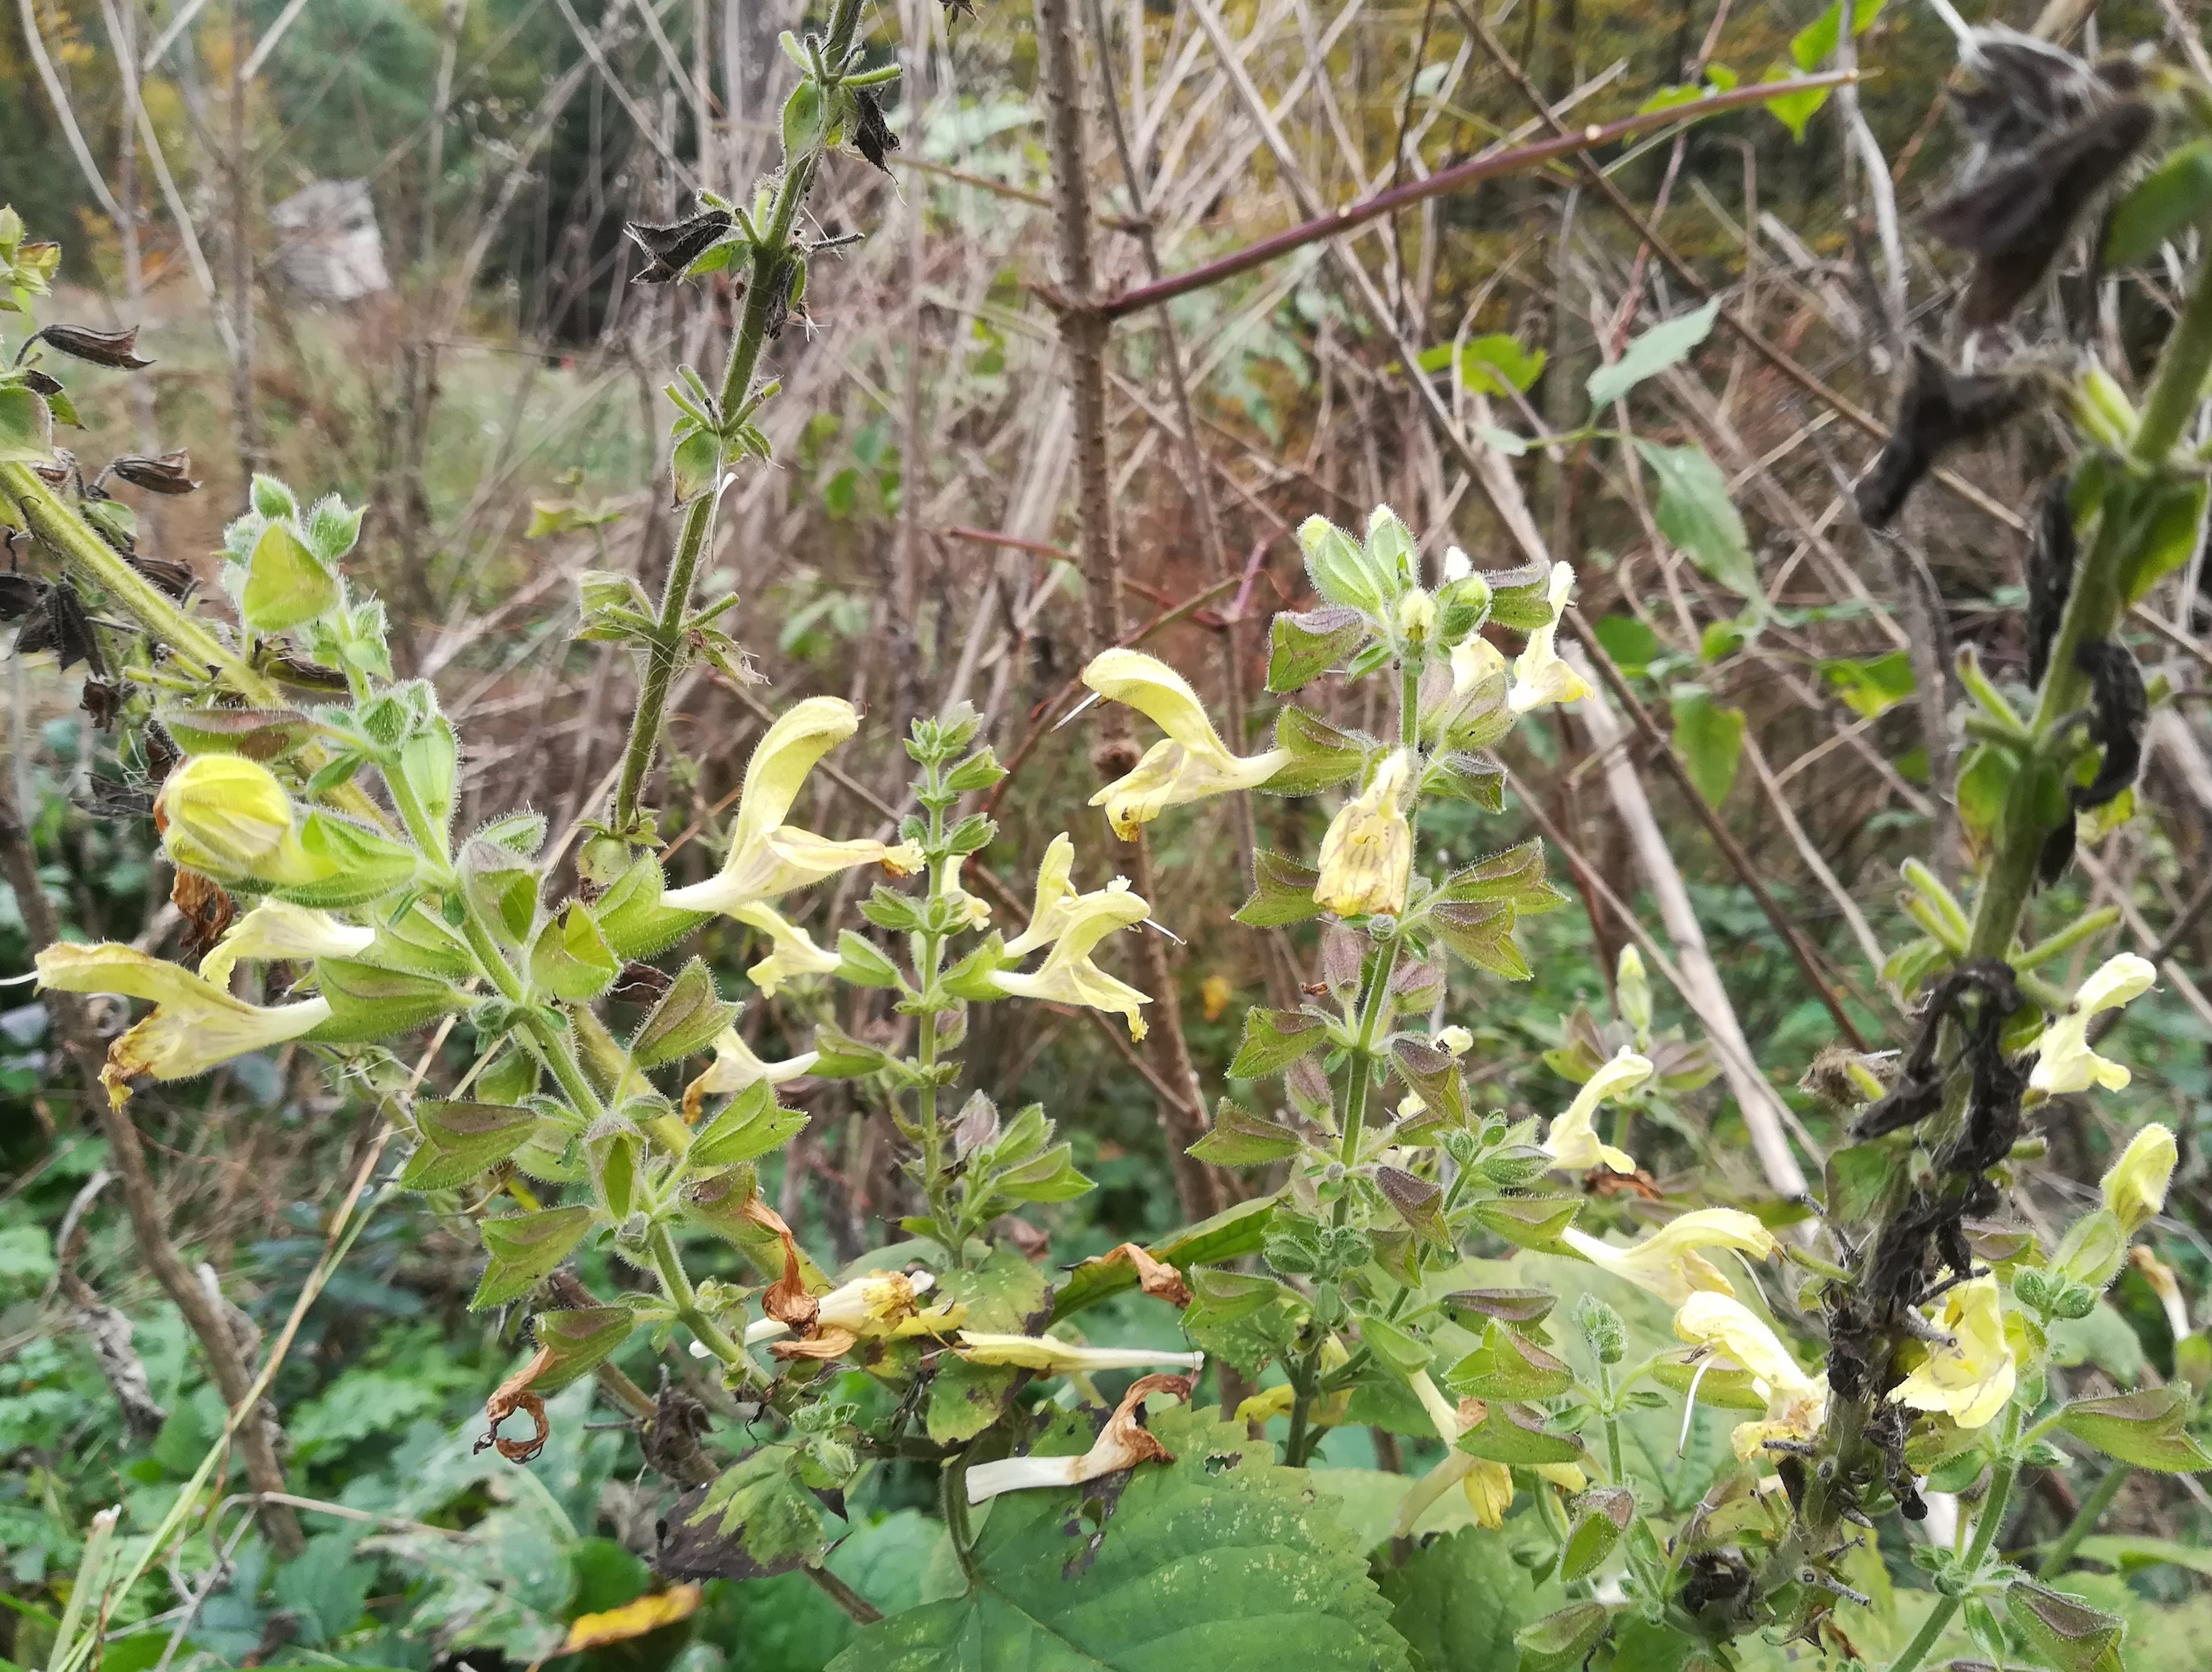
(873, 137)
(169, 473)
(172, 576)
(116, 350)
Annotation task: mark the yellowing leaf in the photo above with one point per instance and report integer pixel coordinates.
(647, 1614)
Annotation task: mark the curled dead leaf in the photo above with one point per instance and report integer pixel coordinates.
(512, 1396)
(1154, 1276)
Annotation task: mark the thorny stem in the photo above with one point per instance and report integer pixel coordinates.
(1986, 1529)
(765, 291)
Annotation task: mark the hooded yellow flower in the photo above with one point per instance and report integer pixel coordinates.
(1190, 763)
(1667, 1263)
(735, 1068)
(768, 857)
(278, 929)
(1055, 896)
(2064, 1061)
(1573, 1143)
(228, 817)
(194, 1027)
(1538, 675)
(1048, 1356)
(1796, 1403)
(1068, 977)
(793, 953)
(878, 1305)
(2135, 1188)
(1973, 1378)
(1367, 856)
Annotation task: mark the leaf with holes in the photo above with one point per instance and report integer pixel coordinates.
(1220, 1559)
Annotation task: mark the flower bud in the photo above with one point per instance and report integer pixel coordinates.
(2101, 407)
(1416, 616)
(1602, 1328)
(2135, 1188)
(1632, 992)
(223, 814)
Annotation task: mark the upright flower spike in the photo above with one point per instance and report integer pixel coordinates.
(767, 856)
(793, 953)
(194, 1025)
(1796, 1403)
(1972, 1378)
(1668, 1263)
(1068, 977)
(1055, 896)
(1190, 763)
(278, 929)
(735, 1068)
(2064, 1061)
(2134, 1188)
(1573, 1142)
(1367, 856)
(1538, 675)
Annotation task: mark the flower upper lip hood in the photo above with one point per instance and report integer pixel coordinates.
(1188, 764)
(1068, 977)
(1796, 1403)
(735, 1067)
(194, 1027)
(2134, 1188)
(1573, 1142)
(793, 953)
(768, 857)
(278, 929)
(2064, 1061)
(1055, 896)
(1667, 1263)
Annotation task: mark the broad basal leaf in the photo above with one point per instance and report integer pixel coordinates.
(1221, 1561)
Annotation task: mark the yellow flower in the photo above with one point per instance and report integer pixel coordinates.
(1190, 763)
(1068, 977)
(1050, 1357)
(1416, 616)
(2135, 1188)
(793, 954)
(735, 1068)
(1455, 1040)
(1055, 897)
(1489, 1489)
(277, 929)
(1973, 1378)
(228, 817)
(1367, 857)
(1667, 1263)
(768, 857)
(2064, 1061)
(2165, 1285)
(1795, 1403)
(194, 1027)
(1573, 1144)
(1538, 675)
(1474, 660)
(873, 1307)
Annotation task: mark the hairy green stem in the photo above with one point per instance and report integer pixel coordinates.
(2085, 1521)
(765, 291)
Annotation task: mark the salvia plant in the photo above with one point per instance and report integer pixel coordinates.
(1510, 1293)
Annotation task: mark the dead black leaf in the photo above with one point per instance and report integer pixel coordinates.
(1940, 408)
(116, 350)
(57, 622)
(2015, 217)
(172, 576)
(641, 984)
(103, 700)
(20, 594)
(2119, 709)
(167, 473)
(874, 137)
(685, 1551)
(110, 799)
(672, 249)
(41, 383)
(2050, 573)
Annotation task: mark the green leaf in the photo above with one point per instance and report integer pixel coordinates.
(355, 864)
(525, 1247)
(758, 1517)
(1516, 1434)
(2145, 1428)
(631, 917)
(1513, 875)
(1275, 1039)
(1321, 755)
(1458, 1602)
(1467, 776)
(1247, 1319)
(1698, 518)
(1601, 1514)
(1434, 1074)
(579, 1339)
(1710, 738)
(804, 118)
(688, 1018)
(1481, 934)
(1632, 645)
(2173, 197)
(458, 1141)
(2168, 534)
(570, 959)
(750, 1126)
(1220, 1560)
(1052, 1176)
(1871, 685)
(260, 734)
(861, 964)
(1241, 1138)
(26, 429)
(1005, 1295)
(2065, 1632)
(843, 1057)
(1859, 1177)
(286, 582)
(1667, 343)
(1509, 1365)
(371, 1003)
(1301, 647)
(1563, 1640)
(1492, 365)
(1533, 1222)
(1417, 1202)
(1282, 891)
